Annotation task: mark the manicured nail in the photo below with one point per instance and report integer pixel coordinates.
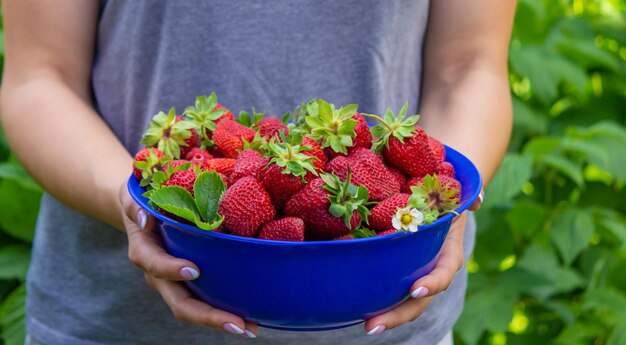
(376, 330)
(142, 219)
(419, 292)
(480, 196)
(249, 334)
(189, 273)
(232, 328)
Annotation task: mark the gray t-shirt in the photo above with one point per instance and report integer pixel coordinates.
(272, 55)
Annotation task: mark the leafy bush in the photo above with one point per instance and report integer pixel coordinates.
(551, 241)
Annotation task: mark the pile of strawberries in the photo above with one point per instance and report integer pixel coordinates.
(325, 175)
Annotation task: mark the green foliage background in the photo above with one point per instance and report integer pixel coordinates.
(549, 262)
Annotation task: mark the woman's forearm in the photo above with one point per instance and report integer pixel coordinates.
(64, 144)
(471, 112)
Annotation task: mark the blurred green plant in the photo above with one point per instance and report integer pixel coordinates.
(551, 243)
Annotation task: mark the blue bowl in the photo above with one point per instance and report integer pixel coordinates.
(310, 286)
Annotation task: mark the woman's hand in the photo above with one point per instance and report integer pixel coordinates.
(438, 280)
(164, 273)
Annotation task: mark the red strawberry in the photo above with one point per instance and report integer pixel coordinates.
(381, 214)
(404, 144)
(270, 127)
(313, 205)
(386, 232)
(363, 137)
(176, 163)
(206, 113)
(198, 156)
(248, 164)
(283, 174)
(398, 176)
(445, 169)
(151, 159)
(438, 149)
(215, 152)
(221, 165)
(316, 151)
(344, 237)
(444, 180)
(245, 207)
(171, 134)
(228, 137)
(368, 170)
(183, 178)
(286, 229)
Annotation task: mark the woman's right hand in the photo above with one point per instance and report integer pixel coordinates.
(164, 273)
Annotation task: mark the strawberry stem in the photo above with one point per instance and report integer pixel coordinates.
(379, 119)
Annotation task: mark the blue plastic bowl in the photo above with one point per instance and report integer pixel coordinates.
(310, 286)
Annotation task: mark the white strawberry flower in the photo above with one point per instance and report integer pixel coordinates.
(407, 219)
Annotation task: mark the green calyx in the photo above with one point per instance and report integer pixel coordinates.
(204, 113)
(167, 134)
(431, 195)
(150, 166)
(258, 143)
(345, 198)
(290, 158)
(334, 126)
(250, 120)
(393, 125)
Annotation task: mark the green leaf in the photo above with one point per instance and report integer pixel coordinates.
(571, 231)
(564, 165)
(12, 318)
(176, 200)
(514, 172)
(18, 210)
(607, 300)
(14, 261)
(208, 190)
(526, 217)
(543, 262)
(15, 172)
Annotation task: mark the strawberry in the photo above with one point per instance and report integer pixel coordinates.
(171, 134)
(286, 229)
(315, 151)
(334, 128)
(368, 170)
(440, 193)
(177, 163)
(270, 127)
(284, 172)
(404, 144)
(443, 179)
(381, 214)
(446, 169)
(206, 113)
(198, 156)
(228, 136)
(146, 162)
(183, 178)
(398, 176)
(215, 151)
(221, 165)
(248, 164)
(363, 137)
(438, 149)
(386, 232)
(348, 236)
(329, 207)
(246, 206)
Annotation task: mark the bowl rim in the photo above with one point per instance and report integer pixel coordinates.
(142, 202)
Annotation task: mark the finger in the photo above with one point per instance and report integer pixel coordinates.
(145, 248)
(478, 202)
(190, 310)
(450, 261)
(405, 312)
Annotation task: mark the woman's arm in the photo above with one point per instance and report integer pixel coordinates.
(48, 116)
(465, 104)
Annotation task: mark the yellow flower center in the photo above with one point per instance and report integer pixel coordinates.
(406, 219)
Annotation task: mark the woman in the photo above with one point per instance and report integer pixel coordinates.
(83, 77)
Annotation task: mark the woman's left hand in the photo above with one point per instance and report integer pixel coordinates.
(439, 279)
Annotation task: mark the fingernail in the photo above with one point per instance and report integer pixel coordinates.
(142, 219)
(376, 330)
(480, 196)
(232, 328)
(189, 273)
(419, 292)
(249, 334)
